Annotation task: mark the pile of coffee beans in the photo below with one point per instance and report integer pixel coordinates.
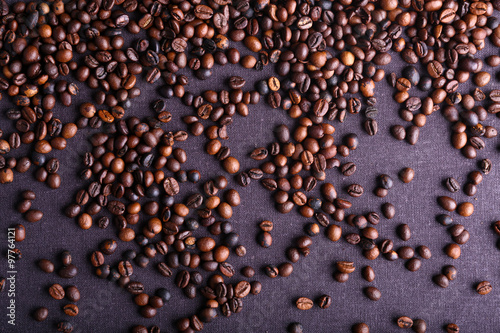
(322, 61)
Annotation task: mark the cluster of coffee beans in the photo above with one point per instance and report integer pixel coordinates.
(67, 271)
(417, 325)
(458, 232)
(327, 57)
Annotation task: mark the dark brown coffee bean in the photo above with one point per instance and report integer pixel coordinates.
(40, 314)
(46, 265)
(452, 184)
(324, 301)
(348, 169)
(441, 280)
(372, 293)
(355, 190)
(447, 203)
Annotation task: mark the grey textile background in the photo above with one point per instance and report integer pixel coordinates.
(105, 307)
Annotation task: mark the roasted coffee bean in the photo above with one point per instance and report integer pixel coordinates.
(403, 231)
(324, 301)
(424, 252)
(447, 203)
(46, 265)
(453, 251)
(348, 169)
(368, 273)
(452, 184)
(398, 132)
(135, 288)
(70, 310)
(404, 322)
(271, 271)
(56, 291)
(65, 327)
(484, 288)
(388, 210)
(68, 272)
(441, 280)
(360, 328)
(450, 272)
(485, 166)
(452, 328)
(372, 293)
(304, 303)
(406, 175)
(40, 314)
(345, 266)
(355, 190)
(353, 238)
(385, 181)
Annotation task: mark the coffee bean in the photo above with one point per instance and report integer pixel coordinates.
(242, 289)
(413, 264)
(33, 215)
(264, 239)
(406, 175)
(334, 232)
(340, 277)
(385, 181)
(40, 314)
(485, 166)
(324, 301)
(135, 288)
(398, 132)
(453, 251)
(470, 189)
(452, 328)
(403, 231)
(65, 327)
(355, 190)
(70, 310)
(412, 134)
(372, 293)
(345, 266)
(97, 258)
(56, 291)
(484, 288)
(404, 322)
(370, 126)
(441, 280)
(388, 210)
(450, 272)
(424, 252)
(360, 328)
(368, 273)
(465, 209)
(171, 186)
(419, 326)
(271, 271)
(452, 184)
(295, 328)
(348, 169)
(68, 272)
(259, 154)
(304, 303)
(447, 203)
